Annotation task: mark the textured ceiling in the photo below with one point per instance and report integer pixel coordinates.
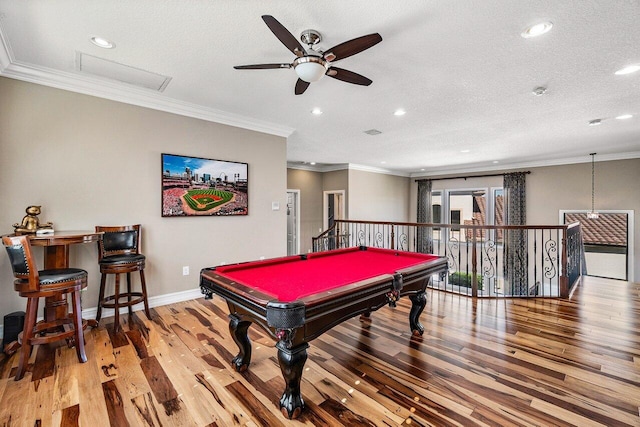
(460, 69)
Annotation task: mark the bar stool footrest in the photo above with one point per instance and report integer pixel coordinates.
(109, 302)
(48, 332)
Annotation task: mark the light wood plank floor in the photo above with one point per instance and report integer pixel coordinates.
(479, 363)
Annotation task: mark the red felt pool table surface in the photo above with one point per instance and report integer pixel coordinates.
(291, 278)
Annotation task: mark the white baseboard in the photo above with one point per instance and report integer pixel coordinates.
(157, 301)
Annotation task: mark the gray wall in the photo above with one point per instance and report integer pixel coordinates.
(378, 197)
(90, 161)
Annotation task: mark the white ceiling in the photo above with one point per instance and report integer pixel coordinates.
(460, 69)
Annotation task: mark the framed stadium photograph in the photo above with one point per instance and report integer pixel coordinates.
(194, 186)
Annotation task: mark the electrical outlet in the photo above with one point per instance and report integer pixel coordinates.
(185, 270)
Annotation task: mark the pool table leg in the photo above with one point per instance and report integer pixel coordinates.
(418, 302)
(238, 329)
(291, 362)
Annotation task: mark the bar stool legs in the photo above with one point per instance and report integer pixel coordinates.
(27, 334)
(114, 301)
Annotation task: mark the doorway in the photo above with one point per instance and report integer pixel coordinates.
(293, 222)
(333, 209)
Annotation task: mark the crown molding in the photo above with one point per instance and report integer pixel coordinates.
(120, 92)
(363, 168)
(343, 166)
(532, 164)
(5, 49)
(317, 168)
(458, 171)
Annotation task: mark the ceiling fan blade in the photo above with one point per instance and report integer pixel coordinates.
(348, 76)
(351, 47)
(301, 86)
(261, 66)
(283, 35)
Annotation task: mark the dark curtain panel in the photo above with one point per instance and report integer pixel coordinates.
(515, 212)
(424, 238)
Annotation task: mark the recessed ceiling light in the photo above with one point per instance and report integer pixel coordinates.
(628, 69)
(464, 151)
(399, 112)
(312, 163)
(595, 122)
(624, 116)
(383, 162)
(536, 30)
(539, 91)
(316, 111)
(496, 161)
(103, 43)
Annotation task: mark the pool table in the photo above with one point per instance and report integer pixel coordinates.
(297, 298)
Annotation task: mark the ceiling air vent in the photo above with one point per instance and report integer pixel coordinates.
(123, 73)
(372, 132)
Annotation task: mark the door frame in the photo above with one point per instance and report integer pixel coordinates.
(297, 214)
(325, 206)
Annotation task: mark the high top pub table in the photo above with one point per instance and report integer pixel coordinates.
(56, 255)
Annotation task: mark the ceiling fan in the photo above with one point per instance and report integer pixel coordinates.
(310, 64)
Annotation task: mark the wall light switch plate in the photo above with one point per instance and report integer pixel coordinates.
(275, 206)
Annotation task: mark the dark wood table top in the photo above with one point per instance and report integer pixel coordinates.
(58, 238)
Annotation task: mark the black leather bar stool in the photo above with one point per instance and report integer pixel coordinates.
(118, 252)
(33, 285)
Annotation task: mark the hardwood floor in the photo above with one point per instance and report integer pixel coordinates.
(487, 362)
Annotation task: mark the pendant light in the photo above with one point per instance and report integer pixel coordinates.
(593, 214)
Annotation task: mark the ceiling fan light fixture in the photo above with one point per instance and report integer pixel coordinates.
(310, 68)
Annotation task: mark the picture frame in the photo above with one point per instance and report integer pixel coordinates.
(198, 186)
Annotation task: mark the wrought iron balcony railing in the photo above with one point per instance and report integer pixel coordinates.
(484, 260)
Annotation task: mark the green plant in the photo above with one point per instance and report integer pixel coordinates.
(464, 279)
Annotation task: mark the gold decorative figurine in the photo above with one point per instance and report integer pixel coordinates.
(30, 223)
